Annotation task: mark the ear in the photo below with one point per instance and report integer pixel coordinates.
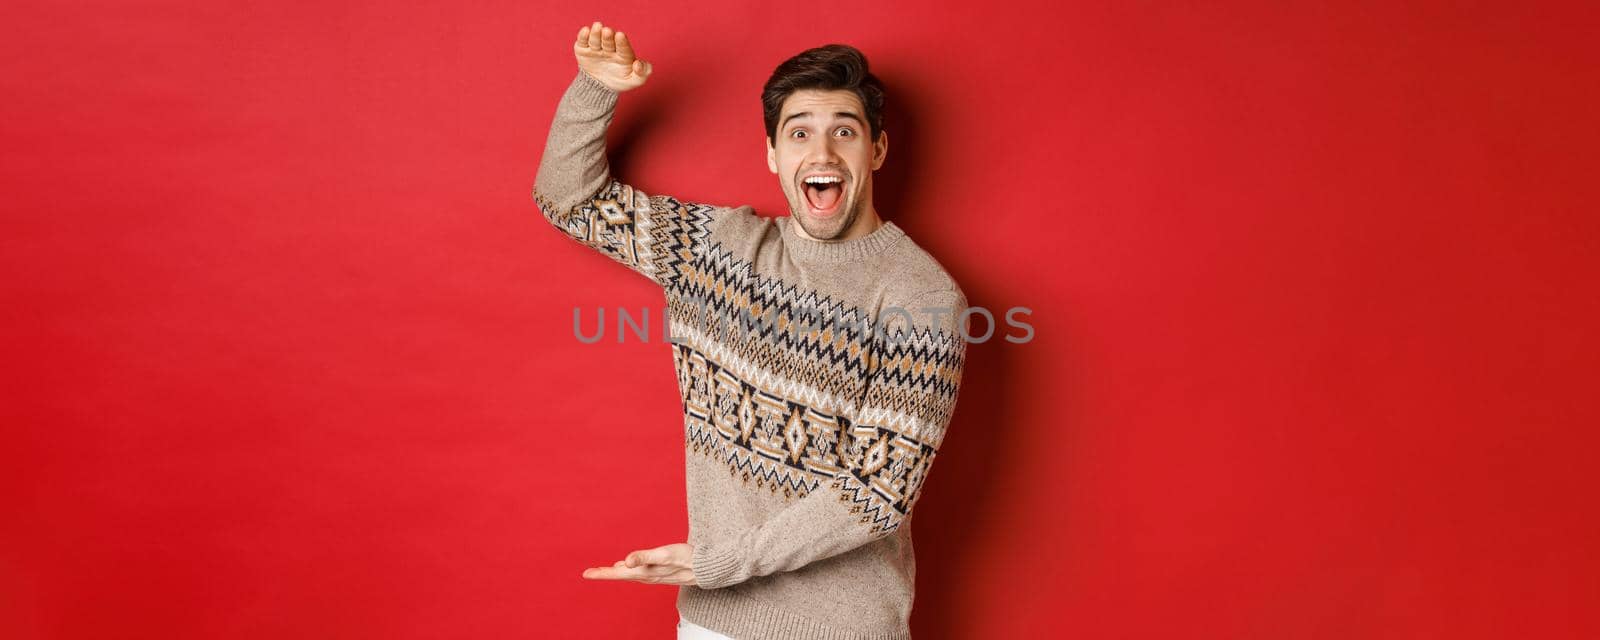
(772, 156)
(880, 149)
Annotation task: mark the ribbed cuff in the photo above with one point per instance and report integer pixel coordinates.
(713, 567)
(592, 92)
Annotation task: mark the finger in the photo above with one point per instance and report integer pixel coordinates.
(624, 47)
(618, 573)
(608, 39)
(583, 36)
(641, 571)
(594, 35)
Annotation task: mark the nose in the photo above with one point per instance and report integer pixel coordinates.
(823, 152)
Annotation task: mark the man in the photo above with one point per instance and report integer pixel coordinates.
(818, 355)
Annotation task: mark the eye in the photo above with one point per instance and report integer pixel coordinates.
(848, 129)
(797, 133)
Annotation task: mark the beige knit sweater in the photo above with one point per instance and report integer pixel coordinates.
(817, 381)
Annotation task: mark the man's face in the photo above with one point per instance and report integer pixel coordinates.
(823, 136)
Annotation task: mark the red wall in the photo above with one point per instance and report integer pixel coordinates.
(289, 352)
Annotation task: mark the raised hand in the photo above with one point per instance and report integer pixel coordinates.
(607, 55)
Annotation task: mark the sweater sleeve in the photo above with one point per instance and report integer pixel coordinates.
(651, 234)
(886, 446)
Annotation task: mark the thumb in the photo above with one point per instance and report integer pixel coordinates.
(658, 555)
(642, 557)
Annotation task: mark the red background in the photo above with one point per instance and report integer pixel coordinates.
(289, 351)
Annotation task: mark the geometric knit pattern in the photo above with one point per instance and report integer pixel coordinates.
(763, 397)
(653, 235)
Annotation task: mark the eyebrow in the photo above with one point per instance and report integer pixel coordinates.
(837, 114)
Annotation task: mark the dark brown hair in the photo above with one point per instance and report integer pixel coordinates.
(826, 68)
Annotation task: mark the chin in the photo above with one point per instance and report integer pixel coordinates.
(827, 228)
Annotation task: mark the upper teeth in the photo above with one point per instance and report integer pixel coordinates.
(823, 179)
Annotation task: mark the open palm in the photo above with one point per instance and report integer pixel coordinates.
(607, 56)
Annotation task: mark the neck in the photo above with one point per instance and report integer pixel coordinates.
(881, 238)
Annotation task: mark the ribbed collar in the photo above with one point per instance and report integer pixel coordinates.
(884, 237)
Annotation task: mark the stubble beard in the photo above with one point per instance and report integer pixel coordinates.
(799, 209)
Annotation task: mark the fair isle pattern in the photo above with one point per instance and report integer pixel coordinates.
(753, 323)
(775, 405)
(770, 373)
(654, 235)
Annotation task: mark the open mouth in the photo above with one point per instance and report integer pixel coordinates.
(823, 193)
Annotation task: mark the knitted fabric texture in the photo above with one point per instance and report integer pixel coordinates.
(817, 379)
